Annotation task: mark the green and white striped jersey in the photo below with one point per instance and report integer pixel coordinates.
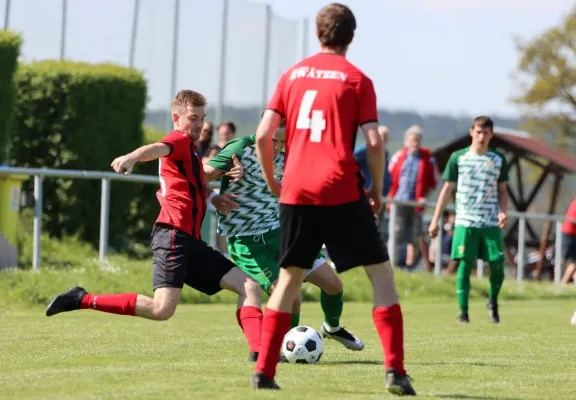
(259, 209)
(477, 177)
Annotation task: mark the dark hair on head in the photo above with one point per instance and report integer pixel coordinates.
(483, 122)
(335, 26)
(229, 124)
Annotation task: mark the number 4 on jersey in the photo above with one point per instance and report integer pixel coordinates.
(316, 124)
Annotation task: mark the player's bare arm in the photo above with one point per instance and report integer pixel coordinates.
(235, 173)
(503, 202)
(376, 159)
(125, 164)
(445, 195)
(265, 148)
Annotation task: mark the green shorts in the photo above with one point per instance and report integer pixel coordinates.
(258, 256)
(471, 244)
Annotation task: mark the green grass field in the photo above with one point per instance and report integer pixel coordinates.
(201, 354)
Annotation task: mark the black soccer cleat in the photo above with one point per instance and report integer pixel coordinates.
(68, 301)
(464, 319)
(397, 384)
(344, 337)
(259, 381)
(253, 356)
(494, 316)
(282, 358)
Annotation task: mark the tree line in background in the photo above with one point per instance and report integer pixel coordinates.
(57, 114)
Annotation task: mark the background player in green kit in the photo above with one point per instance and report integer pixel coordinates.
(252, 233)
(479, 175)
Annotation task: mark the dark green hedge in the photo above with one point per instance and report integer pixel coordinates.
(9, 50)
(78, 116)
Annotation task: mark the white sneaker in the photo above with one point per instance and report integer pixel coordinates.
(573, 320)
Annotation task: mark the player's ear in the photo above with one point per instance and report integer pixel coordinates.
(175, 117)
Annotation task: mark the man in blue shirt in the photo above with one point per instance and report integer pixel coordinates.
(360, 156)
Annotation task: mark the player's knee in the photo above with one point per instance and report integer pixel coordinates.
(164, 311)
(252, 289)
(334, 286)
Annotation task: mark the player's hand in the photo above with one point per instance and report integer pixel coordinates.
(502, 220)
(376, 201)
(124, 164)
(433, 229)
(274, 187)
(224, 203)
(237, 171)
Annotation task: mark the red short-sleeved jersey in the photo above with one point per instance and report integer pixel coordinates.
(182, 195)
(569, 227)
(324, 99)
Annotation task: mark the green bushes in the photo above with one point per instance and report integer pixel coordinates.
(9, 50)
(78, 116)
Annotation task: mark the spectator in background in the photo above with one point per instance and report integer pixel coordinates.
(413, 172)
(205, 140)
(226, 132)
(360, 156)
(448, 220)
(569, 243)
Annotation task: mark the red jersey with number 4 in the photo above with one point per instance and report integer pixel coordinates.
(324, 99)
(182, 194)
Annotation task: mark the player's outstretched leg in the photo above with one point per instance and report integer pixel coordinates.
(159, 308)
(463, 288)
(387, 316)
(275, 325)
(332, 303)
(248, 313)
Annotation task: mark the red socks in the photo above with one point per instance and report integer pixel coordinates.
(123, 304)
(274, 326)
(250, 320)
(390, 327)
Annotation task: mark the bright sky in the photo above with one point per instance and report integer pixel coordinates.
(432, 56)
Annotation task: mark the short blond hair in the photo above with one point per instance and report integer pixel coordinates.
(187, 97)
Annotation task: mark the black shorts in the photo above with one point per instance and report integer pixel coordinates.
(179, 258)
(349, 231)
(569, 248)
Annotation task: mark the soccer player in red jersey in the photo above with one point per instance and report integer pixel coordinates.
(179, 254)
(324, 99)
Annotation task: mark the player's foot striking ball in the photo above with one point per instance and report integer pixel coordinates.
(253, 235)
(180, 257)
(324, 99)
(478, 174)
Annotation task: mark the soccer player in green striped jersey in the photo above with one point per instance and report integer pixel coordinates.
(252, 234)
(478, 175)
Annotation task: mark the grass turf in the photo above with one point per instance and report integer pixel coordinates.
(201, 354)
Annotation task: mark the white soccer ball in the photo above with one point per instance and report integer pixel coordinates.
(303, 345)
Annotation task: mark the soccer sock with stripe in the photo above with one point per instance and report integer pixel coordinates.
(463, 284)
(294, 320)
(496, 280)
(250, 320)
(274, 326)
(390, 327)
(123, 304)
(332, 306)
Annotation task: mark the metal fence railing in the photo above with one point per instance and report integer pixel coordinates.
(106, 177)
